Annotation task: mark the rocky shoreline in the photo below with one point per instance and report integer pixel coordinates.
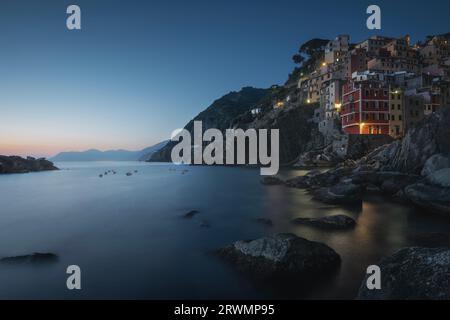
(15, 164)
(415, 170)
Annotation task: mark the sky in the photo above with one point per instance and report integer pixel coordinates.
(137, 70)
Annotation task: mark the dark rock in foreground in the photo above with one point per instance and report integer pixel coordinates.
(330, 222)
(413, 273)
(429, 196)
(31, 258)
(14, 164)
(190, 214)
(281, 256)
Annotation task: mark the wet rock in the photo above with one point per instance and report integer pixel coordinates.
(435, 163)
(431, 240)
(265, 221)
(329, 222)
(190, 214)
(129, 174)
(440, 178)
(271, 181)
(430, 197)
(281, 256)
(205, 224)
(342, 193)
(100, 176)
(412, 273)
(31, 258)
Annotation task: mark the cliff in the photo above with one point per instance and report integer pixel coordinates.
(219, 115)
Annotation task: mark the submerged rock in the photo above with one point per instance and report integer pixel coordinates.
(31, 258)
(412, 273)
(272, 181)
(190, 214)
(205, 224)
(129, 174)
(330, 222)
(341, 193)
(281, 255)
(265, 221)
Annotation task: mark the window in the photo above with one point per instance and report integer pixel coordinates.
(393, 118)
(399, 107)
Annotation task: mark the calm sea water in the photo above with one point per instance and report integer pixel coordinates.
(128, 237)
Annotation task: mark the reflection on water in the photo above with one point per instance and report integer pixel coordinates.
(130, 242)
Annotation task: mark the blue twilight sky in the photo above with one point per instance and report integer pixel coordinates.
(140, 69)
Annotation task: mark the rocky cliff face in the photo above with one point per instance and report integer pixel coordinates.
(220, 115)
(429, 137)
(16, 164)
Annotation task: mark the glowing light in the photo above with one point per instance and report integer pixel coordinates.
(324, 64)
(308, 101)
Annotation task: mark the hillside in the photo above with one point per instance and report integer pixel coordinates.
(220, 114)
(110, 155)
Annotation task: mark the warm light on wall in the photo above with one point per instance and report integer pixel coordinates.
(361, 127)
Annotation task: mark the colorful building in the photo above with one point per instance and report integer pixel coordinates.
(365, 108)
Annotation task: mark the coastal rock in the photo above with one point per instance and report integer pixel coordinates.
(281, 255)
(435, 163)
(412, 273)
(428, 138)
(190, 214)
(341, 193)
(430, 197)
(271, 181)
(205, 224)
(440, 178)
(31, 258)
(330, 222)
(14, 164)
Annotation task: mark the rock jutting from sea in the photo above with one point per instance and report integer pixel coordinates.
(415, 169)
(15, 164)
(281, 256)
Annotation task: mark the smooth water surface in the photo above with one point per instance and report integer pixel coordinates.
(128, 236)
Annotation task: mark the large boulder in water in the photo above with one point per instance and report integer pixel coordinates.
(435, 198)
(341, 193)
(338, 221)
(412, 273)
(435, 163)
(281, 256)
